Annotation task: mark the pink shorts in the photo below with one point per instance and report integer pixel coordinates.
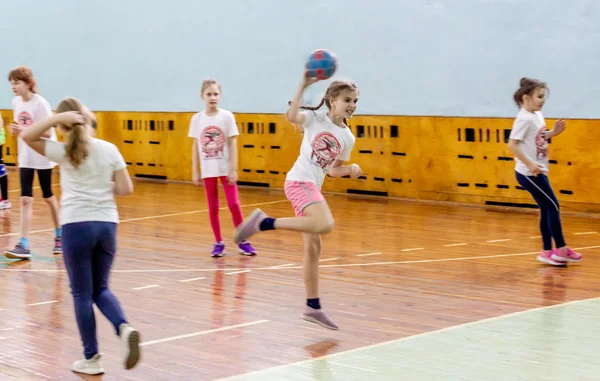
(302, 194)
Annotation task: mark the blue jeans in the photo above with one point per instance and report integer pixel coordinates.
(542, 193)
(88, 253)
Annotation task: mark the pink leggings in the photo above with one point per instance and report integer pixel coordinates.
(233, 201)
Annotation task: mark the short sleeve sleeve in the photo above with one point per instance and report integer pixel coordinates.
(55, 151)
(193, 129)
(117, 160)
(309, 117)
(232, 128)
(345, 154)
(519, 129)
(44, 111)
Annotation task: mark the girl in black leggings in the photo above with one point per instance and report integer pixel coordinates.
(529, 143)
(28, 108)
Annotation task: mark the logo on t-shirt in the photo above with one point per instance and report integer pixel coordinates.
(213, 142)
(326, 148)
(25, 119)
(541, 144)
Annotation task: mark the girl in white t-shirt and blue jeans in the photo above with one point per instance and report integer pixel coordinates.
(29, 108)
(215, 147)
(529, 143)
(327, 143)
(92, 172)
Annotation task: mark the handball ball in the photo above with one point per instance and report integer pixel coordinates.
(321, 64)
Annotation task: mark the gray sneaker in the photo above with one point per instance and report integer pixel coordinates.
(249, 226)
(19, 252)
(318, 317)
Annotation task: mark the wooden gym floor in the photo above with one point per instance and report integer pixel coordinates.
(421, 292)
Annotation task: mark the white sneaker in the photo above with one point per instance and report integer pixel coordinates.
(91, 366)
(5, 204)
(130, 345)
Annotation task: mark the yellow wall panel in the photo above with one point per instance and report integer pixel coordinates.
(435, 158)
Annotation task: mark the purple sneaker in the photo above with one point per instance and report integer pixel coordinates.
(249, 227)
(318, 317)
(218, 249)
(246, 248)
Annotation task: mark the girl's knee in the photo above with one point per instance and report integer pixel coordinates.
(325, 225)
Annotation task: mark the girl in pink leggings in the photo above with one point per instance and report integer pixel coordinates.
(215, 146)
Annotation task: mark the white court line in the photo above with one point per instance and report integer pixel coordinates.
(585, 233)
(498, 240)
(413, 249)
(536, 236)
(352, 367)
(192, 279)
(287, 264)
(350, 313)
(238, 272)
(42, 303)
(39, 354)
(406, 338)
(158, 216)
(300, 267)
(456, 244)
(328, 259)
(145, 287)
(172, 338)
(368, 255)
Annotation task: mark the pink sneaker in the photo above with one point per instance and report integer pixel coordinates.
(318, 317)
(566, 255)
(546, 257)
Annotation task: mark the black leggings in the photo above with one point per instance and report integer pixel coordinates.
(44, 176)
(550, 225)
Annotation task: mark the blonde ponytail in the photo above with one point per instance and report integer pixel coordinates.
(77, 145)
(77, 136)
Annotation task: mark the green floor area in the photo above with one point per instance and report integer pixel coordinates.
(553, 343)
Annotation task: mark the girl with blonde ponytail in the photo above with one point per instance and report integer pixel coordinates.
(92, 172)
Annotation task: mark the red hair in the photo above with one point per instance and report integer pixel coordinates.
(23, 73)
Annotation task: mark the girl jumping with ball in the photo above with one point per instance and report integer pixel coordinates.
(326, 145)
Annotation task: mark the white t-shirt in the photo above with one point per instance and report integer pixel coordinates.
(323, 143)
(25, 114)
(212, 133)
(87, 191)
(530, 129)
